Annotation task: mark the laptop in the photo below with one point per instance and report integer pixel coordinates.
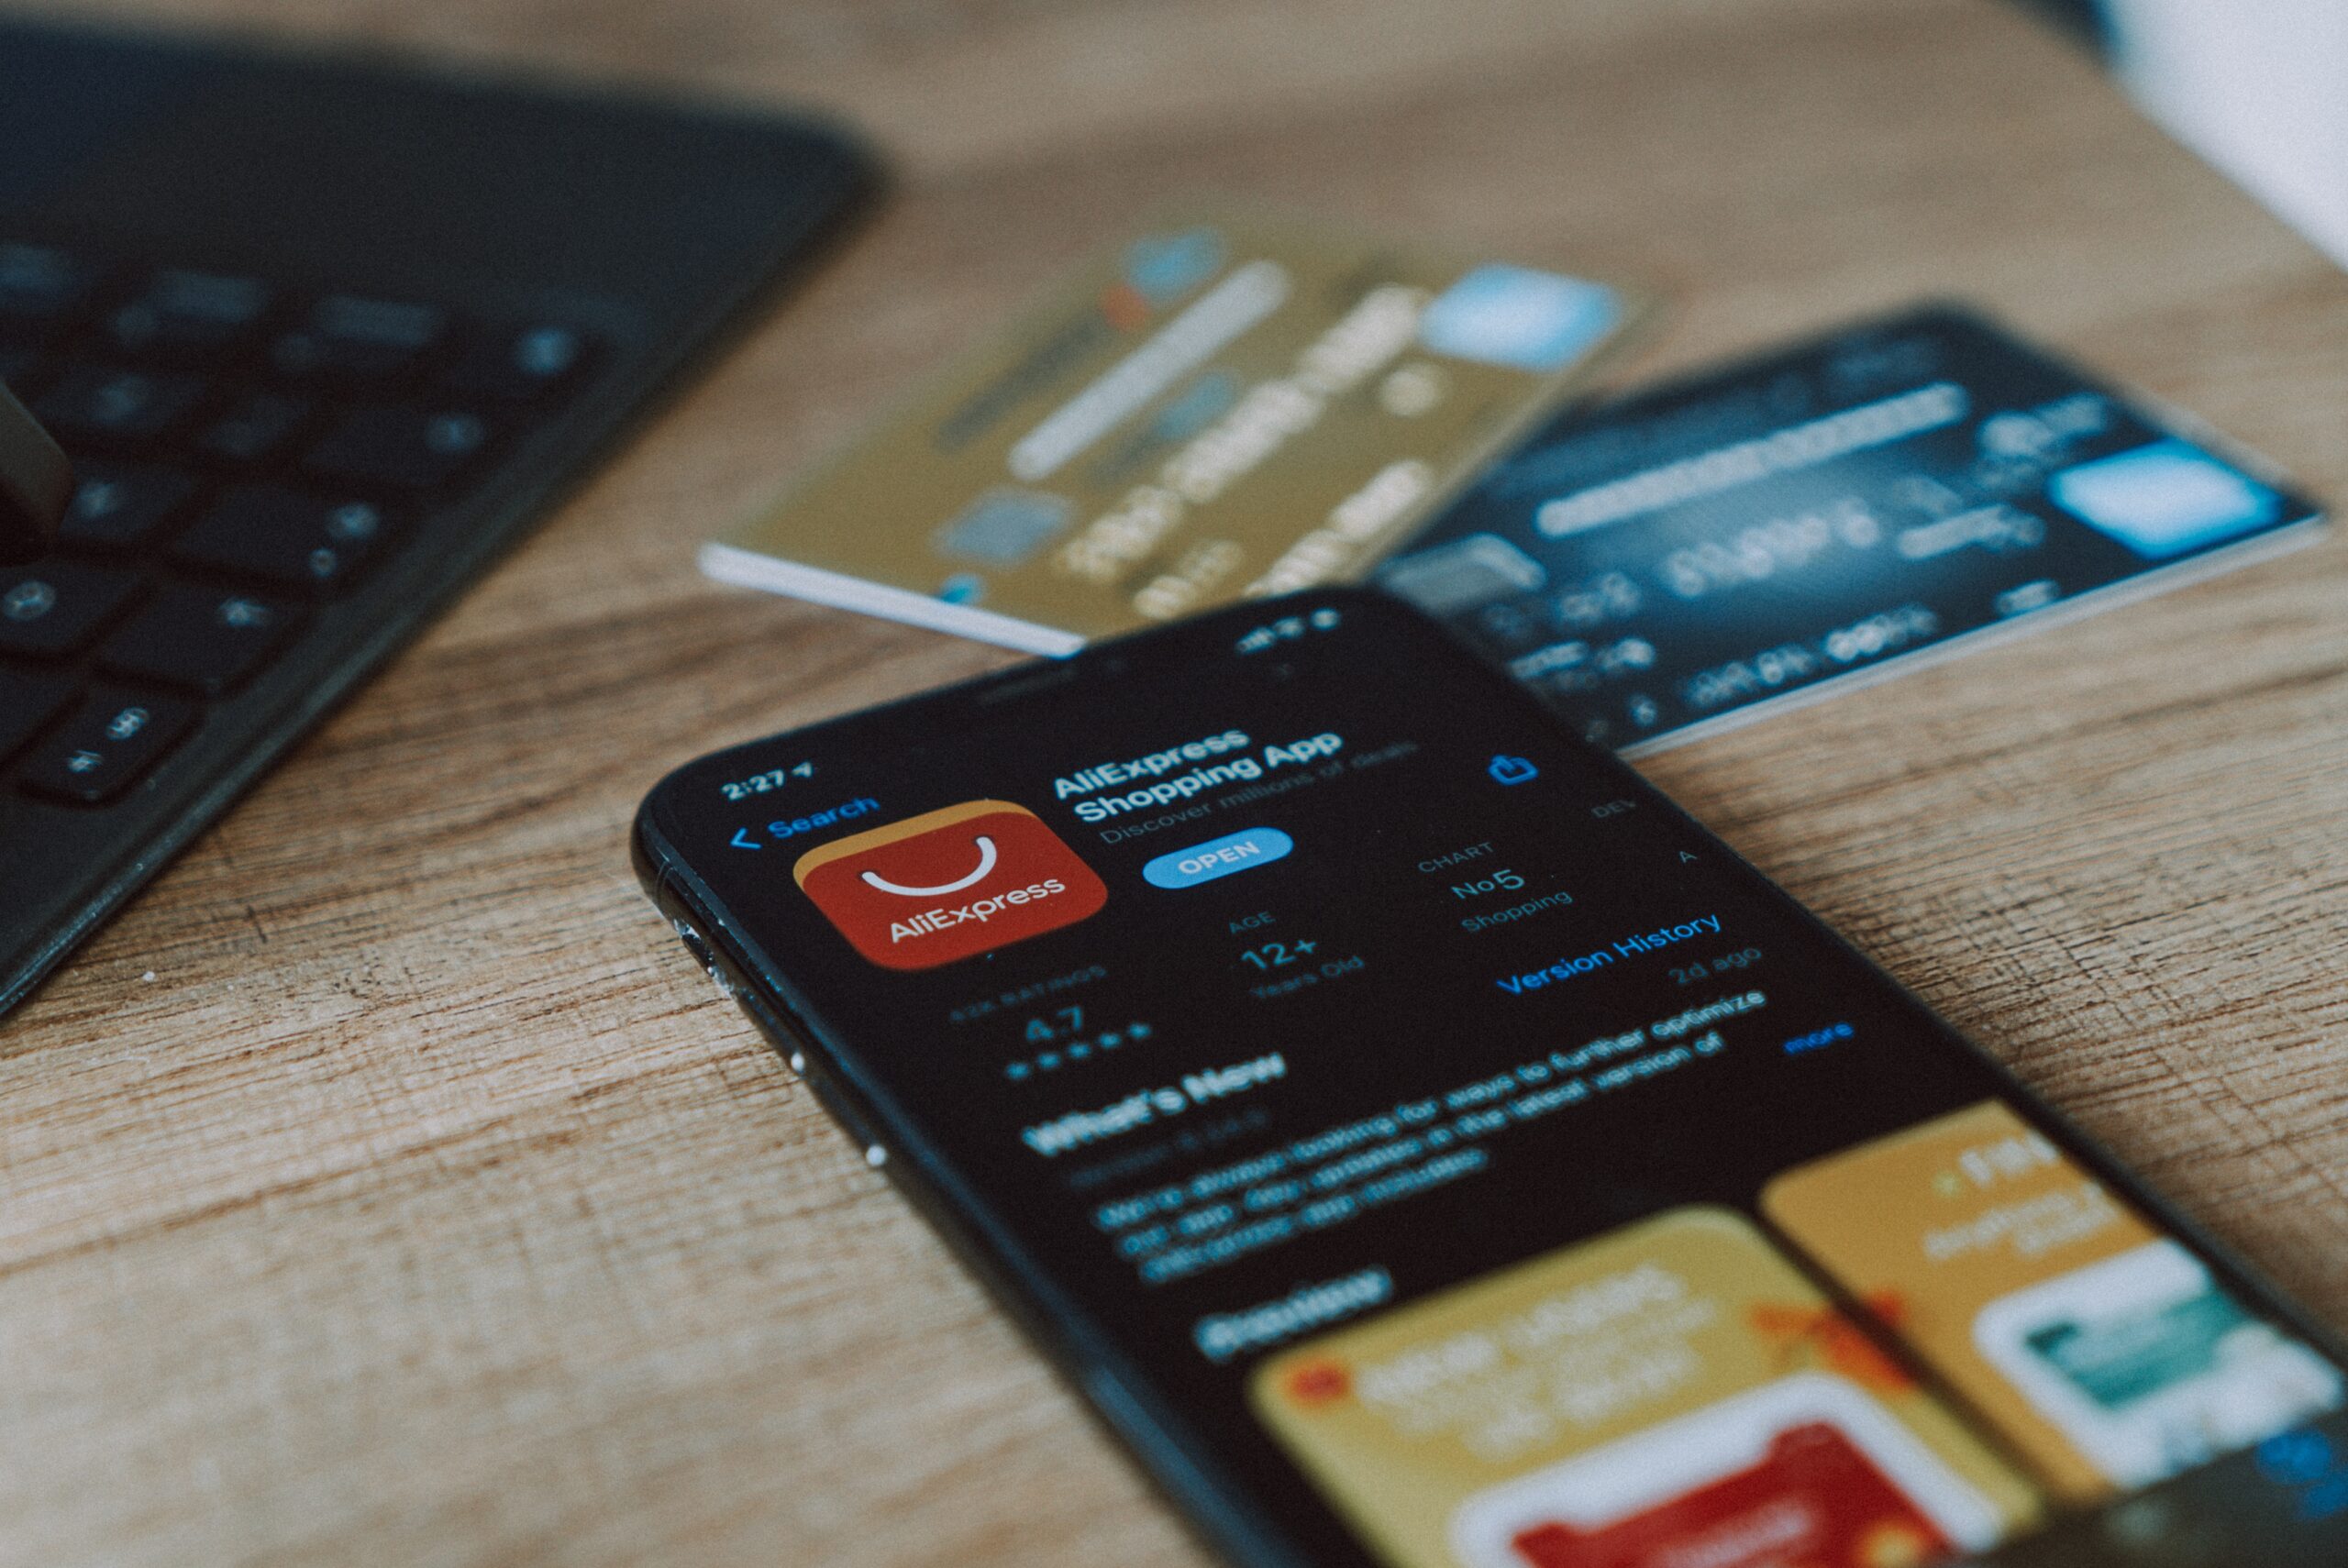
(320, 338)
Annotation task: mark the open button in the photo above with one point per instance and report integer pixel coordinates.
(1217, 857)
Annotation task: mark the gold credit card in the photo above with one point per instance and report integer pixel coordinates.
(1222, 407)
(1674, 1392)
(2105, 1352)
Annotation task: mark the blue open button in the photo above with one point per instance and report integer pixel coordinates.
(1218, 857)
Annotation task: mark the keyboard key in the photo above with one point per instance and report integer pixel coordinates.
(119, 506)
(313, 543)
(258, 426)
(113, 738)
(521, 365)
(348, 338)
(201, 313)
(200, 638)
(97, 402)
(410, 449)
(51, 608)
(28, 702)
(41, 288)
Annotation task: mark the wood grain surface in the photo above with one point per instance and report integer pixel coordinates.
(386, 1188)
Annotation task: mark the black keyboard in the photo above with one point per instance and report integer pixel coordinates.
(321, 338)
(249, 457)
(243, 454)
(246, 453)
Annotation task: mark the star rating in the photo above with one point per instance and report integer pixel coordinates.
(1076, 1051)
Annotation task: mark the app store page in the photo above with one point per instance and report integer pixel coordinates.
(1466, 1149)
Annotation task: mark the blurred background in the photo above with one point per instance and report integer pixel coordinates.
(2258, 87)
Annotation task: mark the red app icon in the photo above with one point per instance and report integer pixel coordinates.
(948, 884)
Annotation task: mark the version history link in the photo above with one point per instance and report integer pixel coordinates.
(1601, 957)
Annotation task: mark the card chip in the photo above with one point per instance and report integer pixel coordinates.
(1004, 527)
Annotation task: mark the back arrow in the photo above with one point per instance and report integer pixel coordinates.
(741, 842)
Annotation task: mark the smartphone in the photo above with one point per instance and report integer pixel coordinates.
(1428, 1147)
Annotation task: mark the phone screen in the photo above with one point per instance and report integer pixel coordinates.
(1434, 1151)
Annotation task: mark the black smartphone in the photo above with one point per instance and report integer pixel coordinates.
(36, 480)
(1428, 1147)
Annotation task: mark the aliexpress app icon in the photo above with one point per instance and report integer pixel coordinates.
(948, 884)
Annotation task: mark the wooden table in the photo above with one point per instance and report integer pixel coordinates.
(386, 1188)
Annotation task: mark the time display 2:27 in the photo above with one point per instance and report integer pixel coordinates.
(764, 783)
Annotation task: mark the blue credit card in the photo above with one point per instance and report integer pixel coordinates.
(1680, 560)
